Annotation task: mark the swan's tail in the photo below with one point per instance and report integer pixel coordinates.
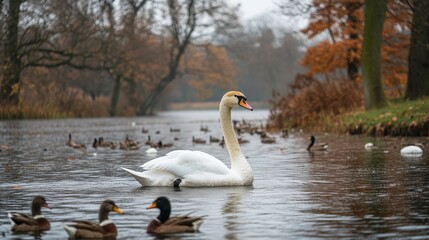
(138, 176)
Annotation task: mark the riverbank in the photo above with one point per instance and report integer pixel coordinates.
(399, 118)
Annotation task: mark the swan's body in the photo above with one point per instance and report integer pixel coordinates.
(196, 168)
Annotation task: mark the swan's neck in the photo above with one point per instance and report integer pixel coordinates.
(239, 164)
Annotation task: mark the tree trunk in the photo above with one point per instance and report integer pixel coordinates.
(352, 56)
(115, 96)
(418, 56)
(9, 90)
(181, 40)
(149, 102)
(375, 12)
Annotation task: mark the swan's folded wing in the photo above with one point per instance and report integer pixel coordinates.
(184, 162)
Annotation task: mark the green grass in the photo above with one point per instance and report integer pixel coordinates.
(398, 118)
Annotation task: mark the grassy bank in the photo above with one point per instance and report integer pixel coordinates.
(14, 112)
(399, 118)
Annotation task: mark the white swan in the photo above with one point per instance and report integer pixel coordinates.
(198, 169)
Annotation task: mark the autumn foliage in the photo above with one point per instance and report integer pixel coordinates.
(312, 101)
(342, 20)
(337, 58)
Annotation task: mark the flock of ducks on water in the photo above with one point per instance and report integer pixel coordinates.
(129, 144)
(240, 127)
(105, 228)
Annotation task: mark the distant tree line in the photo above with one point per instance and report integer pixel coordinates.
(128, 57)
(105, 48)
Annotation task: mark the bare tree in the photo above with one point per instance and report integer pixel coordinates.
(9, 89)
(53, 34)
(187, 25)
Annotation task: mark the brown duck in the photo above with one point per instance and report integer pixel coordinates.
(21, 222)
(317, 147)
(74, 144)
(104, 229)
(164, 224)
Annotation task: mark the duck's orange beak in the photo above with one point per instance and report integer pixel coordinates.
(153, 205)
(245, 105)
(117, 210)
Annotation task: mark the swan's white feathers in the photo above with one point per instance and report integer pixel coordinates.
(182, 163)
(196, 168)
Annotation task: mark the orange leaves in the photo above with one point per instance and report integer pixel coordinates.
(327, 57)
(343, 21)
(208, 67)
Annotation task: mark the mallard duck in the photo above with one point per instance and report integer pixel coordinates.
(174, 129)
(164, 224)
(149, 142)
(204, 129)
(265, 138)
(86, 229)
(316, 147)
(104, 144)
(222, 142)
(74, 144)
(164, 145)
(214, 139)
(198, 140)
(242, 140)
(129, 144)
(144, 130)
(285, 133)
(21, 222)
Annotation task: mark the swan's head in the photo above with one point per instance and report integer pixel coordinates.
(234, 98)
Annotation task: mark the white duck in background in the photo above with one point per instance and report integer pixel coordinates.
(411, 151)
(198, 169)
(369, 146)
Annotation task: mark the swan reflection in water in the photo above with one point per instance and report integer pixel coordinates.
(232, 211)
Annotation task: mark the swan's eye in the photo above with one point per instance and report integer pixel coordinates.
(240, 98)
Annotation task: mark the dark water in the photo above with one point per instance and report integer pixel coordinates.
(347, 192)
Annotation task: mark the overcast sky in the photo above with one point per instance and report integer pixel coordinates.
(254, 8)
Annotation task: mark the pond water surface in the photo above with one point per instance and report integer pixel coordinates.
(347, 192)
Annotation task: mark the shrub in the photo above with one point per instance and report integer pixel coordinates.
(313, 104)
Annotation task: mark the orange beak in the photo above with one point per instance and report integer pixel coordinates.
(153, 205)
(245, 105)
